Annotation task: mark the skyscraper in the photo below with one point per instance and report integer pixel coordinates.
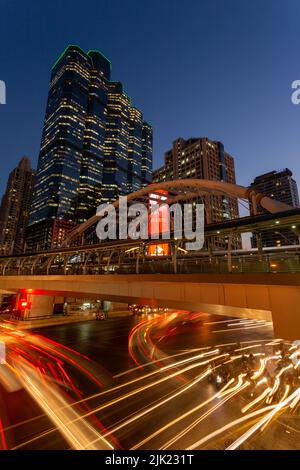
(281, 186)
(93, 146)
(128, 146)
(15, 207)
(204, 159)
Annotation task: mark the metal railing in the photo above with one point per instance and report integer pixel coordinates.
(135, 260)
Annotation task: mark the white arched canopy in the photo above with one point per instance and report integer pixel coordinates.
(184, 189)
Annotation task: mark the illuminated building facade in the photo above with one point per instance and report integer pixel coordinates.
(128, 146)
(15, 207)
(202, 158)
(281, 186)
(93, 148)
(158, 223)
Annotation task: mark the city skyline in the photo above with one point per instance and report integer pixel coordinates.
(149, 230)
(240, 109)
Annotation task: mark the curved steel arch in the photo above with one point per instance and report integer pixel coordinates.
(202, 187)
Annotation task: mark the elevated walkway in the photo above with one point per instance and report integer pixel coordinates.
(265, 296)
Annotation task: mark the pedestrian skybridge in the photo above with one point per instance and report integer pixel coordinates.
(262, 283)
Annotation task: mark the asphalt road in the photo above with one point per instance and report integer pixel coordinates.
(141, 414)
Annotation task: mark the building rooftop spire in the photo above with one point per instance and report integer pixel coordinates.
(25, 163)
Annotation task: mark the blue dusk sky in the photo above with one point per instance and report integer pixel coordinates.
(216, 68)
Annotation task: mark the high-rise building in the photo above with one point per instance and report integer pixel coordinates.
(15, 207)
(128, 146)
(281, 186)
(204, 159)
(95, 146)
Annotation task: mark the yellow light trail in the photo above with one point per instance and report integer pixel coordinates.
(243, 328)
(181, 417)
(257, 400)
(133, 381)
(266, 419)
(260, 370)
(160, 403)
(220, 394)
(145, 387)
(78, 436)
(219, 431)
(286, 392)
(206, 414)
(145, 364)
(123, 397)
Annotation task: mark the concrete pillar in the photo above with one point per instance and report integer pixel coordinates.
(285, 307)
(229, 263)
(107, 306)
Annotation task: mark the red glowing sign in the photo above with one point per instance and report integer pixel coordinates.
(158, 222)
(24, 304)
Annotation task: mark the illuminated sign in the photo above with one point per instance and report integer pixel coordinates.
(158, 223)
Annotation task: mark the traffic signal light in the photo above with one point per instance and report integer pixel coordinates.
(24, 304)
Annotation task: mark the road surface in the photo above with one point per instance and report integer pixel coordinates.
(182, 380)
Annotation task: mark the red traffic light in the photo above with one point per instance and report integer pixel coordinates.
(24, 304)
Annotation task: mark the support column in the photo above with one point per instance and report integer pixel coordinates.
(174, 258)
(107, 307)
(259, 245)
(254, 203)
(285, 306)
(229, 263)
(210, 249)
(31, 306)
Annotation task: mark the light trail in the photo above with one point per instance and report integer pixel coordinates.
(246, 322)
(249, 347)
(52, 402)
(123, 397)
(160, 403)
(265, 420)
(145, 387)
(256, 400)
(273, 390)
(261, 369)
(130, 382)
(244, 328)
(181, 417)
(205, 415)
(228, 426)
(286, 392)
(188, 351)
(220, 394)
(217, 322)
(3, 445)
(57, 395)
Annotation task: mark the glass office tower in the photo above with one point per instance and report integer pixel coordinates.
(87, 153)
(128, 146)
